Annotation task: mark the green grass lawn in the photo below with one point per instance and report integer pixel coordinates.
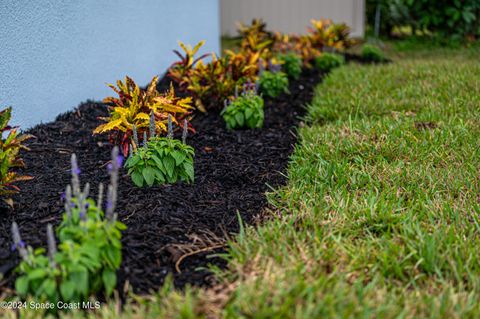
(381, 215)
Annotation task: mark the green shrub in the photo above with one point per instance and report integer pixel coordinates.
(292, 64)
(272, 84)
(328, 61)
(162, 160)
(372, 53)
(445, 18)
(89, 252)
(245, 110)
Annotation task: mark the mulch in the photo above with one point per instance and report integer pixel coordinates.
(233, 171)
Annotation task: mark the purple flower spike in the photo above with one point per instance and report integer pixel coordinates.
(87, 205)
(82, 215)
(112, 188)
(52, 246)
(109, 167)
(75, 179)
(119, 160)
(63, 196)
(21, 245)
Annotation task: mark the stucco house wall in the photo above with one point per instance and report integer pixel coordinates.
(56, 54)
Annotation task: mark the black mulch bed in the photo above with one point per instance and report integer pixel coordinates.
(232, 174)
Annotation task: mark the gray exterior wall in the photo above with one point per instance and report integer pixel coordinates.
(55, 54)
(292, 16)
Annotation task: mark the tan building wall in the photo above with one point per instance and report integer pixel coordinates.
(292, 16)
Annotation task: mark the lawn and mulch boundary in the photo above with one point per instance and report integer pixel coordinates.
(380, 216)
(166, 225)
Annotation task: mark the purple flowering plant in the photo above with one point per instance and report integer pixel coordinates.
(273, 82)
(89, 249)
(161, 160)
(244, 110)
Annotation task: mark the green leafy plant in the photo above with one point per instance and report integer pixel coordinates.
(133, 107)
(89, 250)
(372, 53)
(9, 157)
(161, 160)
(272, 84)
(328, 61)
(245, 110)
(291, 64)
(446, 20)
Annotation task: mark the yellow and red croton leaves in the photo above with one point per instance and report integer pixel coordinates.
(9, 157)
(325, 33)
(180, 69)
(322, 34)
(209, 83)
(133, 107)
(256, 39)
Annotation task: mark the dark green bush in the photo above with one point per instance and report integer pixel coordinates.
(444, 18)
(372, 53)
(244, 111)
(160, 160)
(292, 64)
(272, 84)
(163, 161)
(328, 61)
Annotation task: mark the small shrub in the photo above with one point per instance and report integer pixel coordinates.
(133, 107)
(272, 84)
(161, 161)
(446, 20)
(372, 53)
(245, 110)
(328, 61)
(89, 252)
(9, 157)
(291, 64)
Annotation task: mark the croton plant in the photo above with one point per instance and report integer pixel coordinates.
(133, 106)
(9, 156)
(321, 34)
(210, 82)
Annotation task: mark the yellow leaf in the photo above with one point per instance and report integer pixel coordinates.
(142, 116)
(198, 46)
(107, 126)
(153, 86)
